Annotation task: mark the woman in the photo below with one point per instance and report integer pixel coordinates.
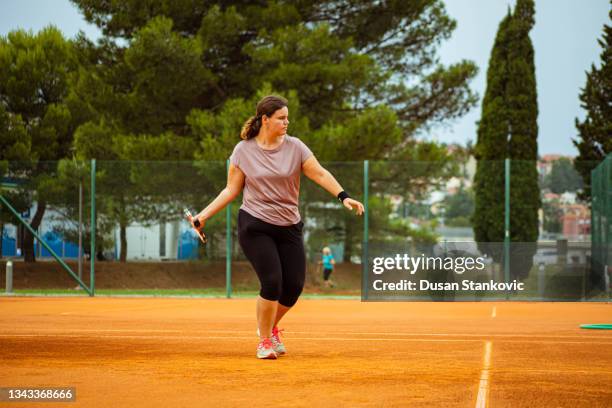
(267, 164)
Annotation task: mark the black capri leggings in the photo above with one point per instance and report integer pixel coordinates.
(277, 254)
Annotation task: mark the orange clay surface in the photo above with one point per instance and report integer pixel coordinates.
(164, 352)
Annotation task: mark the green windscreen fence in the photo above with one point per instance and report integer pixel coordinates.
(420, 239)
(601, 224)
(146, 247)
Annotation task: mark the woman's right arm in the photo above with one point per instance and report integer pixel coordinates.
(235, 183)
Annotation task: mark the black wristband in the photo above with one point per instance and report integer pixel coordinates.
(343, 195)
(196, 223)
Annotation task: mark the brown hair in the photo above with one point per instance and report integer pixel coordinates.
(267, 106)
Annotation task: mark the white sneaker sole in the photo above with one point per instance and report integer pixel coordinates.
(271, 356)
(278, 353)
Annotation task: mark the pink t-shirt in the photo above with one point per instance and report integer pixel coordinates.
(272, 182)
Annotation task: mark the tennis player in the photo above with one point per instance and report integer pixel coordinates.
(266, 165)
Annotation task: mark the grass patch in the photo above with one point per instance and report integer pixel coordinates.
(204, 293)
(209, 292)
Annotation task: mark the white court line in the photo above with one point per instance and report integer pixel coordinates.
(494, 312)
(117, 309)
(43, 329)
(483, 388)
(144, 337)
(381, 339)
(323, 333)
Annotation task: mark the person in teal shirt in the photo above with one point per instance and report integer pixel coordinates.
(328, 266)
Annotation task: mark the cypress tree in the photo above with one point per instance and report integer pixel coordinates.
(490, 149)
(595, 131)
(523, 146)
(508, 129)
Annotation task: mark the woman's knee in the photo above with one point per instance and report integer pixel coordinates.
(291, 293)
(271, 290)
(288, 299)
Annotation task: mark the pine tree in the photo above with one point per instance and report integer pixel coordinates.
(192, 71)
(595, 140)
(36, 125)
(508, 129)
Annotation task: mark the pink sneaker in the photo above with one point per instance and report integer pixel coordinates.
(265, 350)
(279, 347)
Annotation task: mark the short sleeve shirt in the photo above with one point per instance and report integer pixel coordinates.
(327, 261)
(272, 179)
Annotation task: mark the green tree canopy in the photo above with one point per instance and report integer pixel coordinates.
(340, 58)
(562, 177)
(459, 208)
(36, 125)
(594, 142)
(362, 78)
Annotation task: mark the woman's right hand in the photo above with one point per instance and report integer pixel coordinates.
(201, 222)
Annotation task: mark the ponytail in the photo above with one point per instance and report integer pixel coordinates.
(251, 127)
(267, 106)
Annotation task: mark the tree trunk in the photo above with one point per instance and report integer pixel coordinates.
(28, 238)
(1, 235)
(123, 240)
(122, 230)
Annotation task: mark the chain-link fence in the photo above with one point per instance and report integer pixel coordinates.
(601, 224)
(142, 245)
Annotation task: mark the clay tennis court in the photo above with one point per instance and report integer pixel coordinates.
(168, 352)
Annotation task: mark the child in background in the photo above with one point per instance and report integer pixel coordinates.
(328, 267)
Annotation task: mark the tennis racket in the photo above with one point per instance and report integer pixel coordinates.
(195, 224)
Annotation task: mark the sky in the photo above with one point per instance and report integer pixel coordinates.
(565, 44)
(564, 38)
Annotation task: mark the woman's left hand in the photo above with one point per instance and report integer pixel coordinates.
(353, 204)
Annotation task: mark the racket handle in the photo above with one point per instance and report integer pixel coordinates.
(196, 224)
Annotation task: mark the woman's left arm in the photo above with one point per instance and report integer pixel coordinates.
(314, 171)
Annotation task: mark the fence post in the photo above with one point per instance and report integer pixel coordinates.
(364, 257)
(80, 259)
(228, 244)
(92, 257)
(507, 225)
(9, 276)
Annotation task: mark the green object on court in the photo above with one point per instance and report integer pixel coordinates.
(596, 326)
